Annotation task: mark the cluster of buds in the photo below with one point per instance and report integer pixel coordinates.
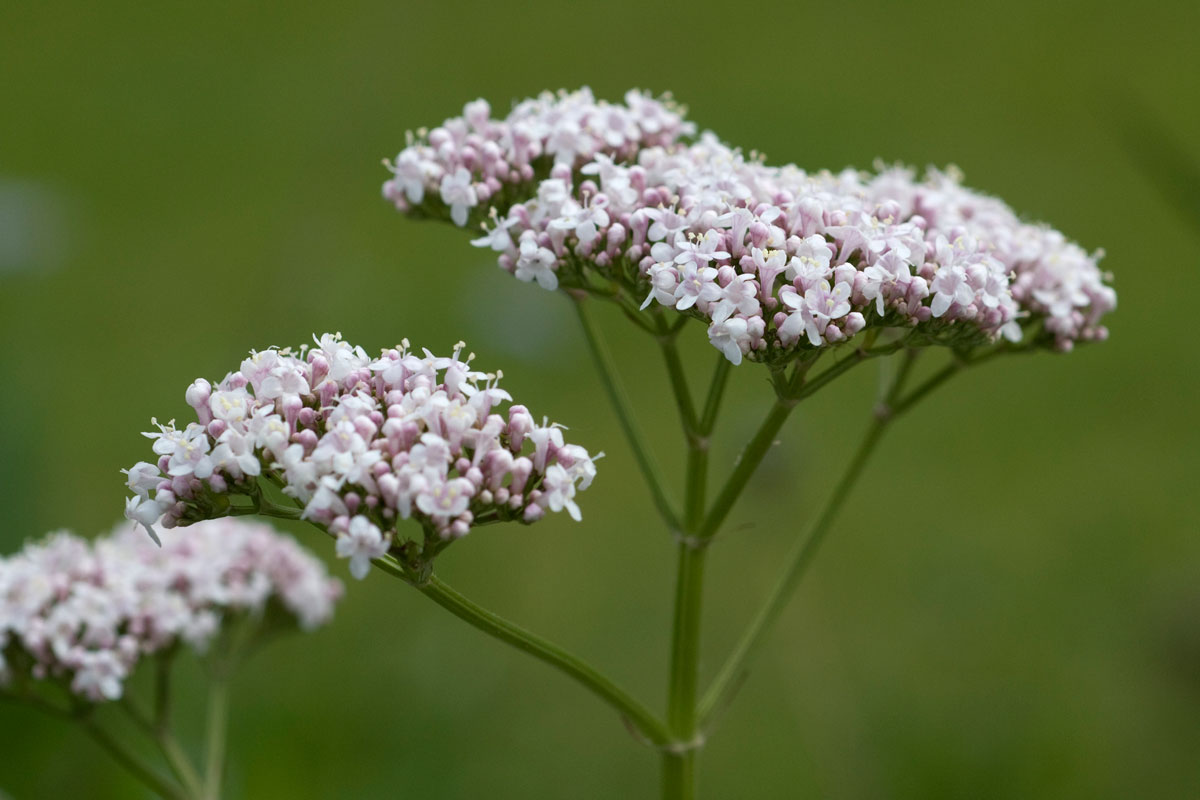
(360, 444)
(85, 613)
(473, 160)
(1053, 280)
(776, 260)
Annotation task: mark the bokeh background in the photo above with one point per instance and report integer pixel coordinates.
(1009, 607)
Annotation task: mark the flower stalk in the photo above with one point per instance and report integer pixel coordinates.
(619, 400)
(636, 714)
(215, 735)
(133, 764)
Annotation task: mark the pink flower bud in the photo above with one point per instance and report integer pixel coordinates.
(306, 438)
(854, 322)
(197, 397)
(522, 468)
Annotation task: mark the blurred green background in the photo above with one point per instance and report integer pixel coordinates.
(1010, 605)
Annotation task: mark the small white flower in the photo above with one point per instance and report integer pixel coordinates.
(498, 238)
(234, 454)
(696, 284)
(145, 512)
(536, 264)
(362, 542)
(410, 173)
(190, 454)
(950, 286)
(445, 499)
(458, 192)
(559, 491)
(886, 278)
(143, 478)
(730, 335)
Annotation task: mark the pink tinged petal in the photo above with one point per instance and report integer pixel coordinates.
(791, 328)
(941, 303)
(547, 279)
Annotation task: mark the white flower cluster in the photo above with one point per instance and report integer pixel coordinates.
(776, 259)
(361, 443)
(1052, 279)
(472, 160)
(86, 612)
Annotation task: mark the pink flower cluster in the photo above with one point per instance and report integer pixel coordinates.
(87, 612)
(777, 260)
(474, 160)
(361, 443)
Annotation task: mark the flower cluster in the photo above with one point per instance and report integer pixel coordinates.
(86, 612)
(474, 160)
(361, 443)
(777, 260)
(1052, 279)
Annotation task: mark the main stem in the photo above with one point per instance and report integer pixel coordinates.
(679, 762)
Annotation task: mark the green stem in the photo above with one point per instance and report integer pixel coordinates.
(162, 691)
(839, 368)
(789, 393)
(138, 768)
(159, 731)
(679, 387)
(178, 761)
(679, 775)
(633, 711)
(716, 390)
(44, 706)
(751, 457)
(734, 671)
(937, 379)
(696, 485)
(620, 401)
(678, 763)
(218, 721)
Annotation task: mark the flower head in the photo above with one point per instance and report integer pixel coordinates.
(87, 613)
(467, 160)
(696, 226)
(360, 445)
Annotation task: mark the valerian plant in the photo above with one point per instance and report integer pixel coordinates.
(803, 275)
(79, 618)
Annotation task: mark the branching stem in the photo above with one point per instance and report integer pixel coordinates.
(620, 402)
(893, 404)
